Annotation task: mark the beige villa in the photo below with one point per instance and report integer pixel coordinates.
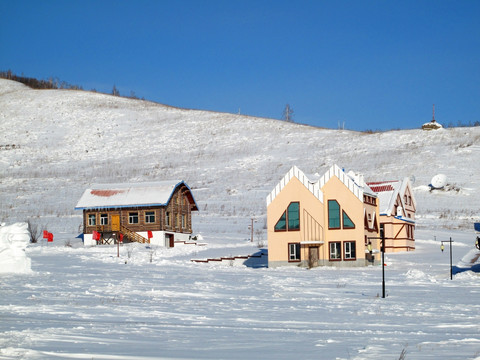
(397, 213)
(333, 220)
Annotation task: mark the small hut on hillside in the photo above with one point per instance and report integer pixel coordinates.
(433, 124)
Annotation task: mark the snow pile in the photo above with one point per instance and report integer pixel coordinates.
(471, 261)
(13, 242)
(416, 275)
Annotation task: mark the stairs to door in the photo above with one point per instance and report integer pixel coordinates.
(133, 236)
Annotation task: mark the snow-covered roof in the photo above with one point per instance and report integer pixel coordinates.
(354, 182)
(126, 195)
(387, 192)
(295, 172)
(432, 125)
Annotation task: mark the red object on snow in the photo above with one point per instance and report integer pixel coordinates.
(96, 235)
(150, 235)
(45, 234)
(121, 237)
(50, 237)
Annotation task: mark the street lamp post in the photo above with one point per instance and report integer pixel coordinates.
(442, 248)
(382, 248)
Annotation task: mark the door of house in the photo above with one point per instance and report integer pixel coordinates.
(115, 222)
(169, 240)
(313, 256)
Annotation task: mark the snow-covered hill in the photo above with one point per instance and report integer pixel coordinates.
(147, 303)
(65, 140)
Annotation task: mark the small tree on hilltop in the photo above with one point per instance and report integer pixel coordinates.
(115, 91)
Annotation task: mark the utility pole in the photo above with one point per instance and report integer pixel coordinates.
(251, 228)
(287, 113)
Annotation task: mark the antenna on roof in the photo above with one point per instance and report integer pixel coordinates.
(433, 114)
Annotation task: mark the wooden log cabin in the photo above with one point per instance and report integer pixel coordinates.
(159, 213)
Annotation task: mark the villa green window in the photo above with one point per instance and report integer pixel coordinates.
(290, 219)
(333, 214)
(281, 224)
(294, 216)
(347, 222)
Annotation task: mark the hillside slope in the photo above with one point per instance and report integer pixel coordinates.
(65, 140)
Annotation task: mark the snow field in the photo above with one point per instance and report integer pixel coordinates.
(86, 302)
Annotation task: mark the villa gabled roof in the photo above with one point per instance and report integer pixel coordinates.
(356, 185)
(295, 172)
(102, 196)
(352, 181)
(388, 191)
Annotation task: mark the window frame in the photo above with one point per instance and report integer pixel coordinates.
(90, 217)
(283, 218)
(338, 245)
(350, 257)
(286, 218)
(167, 218)
(344, 214)
(132, 216)
(148, 215)
(103, 219)
(330, 218)
(295, 253)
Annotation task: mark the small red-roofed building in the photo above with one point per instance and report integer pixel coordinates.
(397, 213)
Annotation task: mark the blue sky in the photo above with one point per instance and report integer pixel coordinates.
(365, 64)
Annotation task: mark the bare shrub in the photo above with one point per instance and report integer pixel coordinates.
(34, 231)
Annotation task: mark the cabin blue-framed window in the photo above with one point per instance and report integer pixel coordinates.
(92, 220)
(103, 219)
(149, 217)
(290, 219)
(133, 218)
(333, 214)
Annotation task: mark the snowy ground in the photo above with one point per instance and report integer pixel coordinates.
(87, 303)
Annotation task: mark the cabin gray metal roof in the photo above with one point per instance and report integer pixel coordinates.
(103, 196)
